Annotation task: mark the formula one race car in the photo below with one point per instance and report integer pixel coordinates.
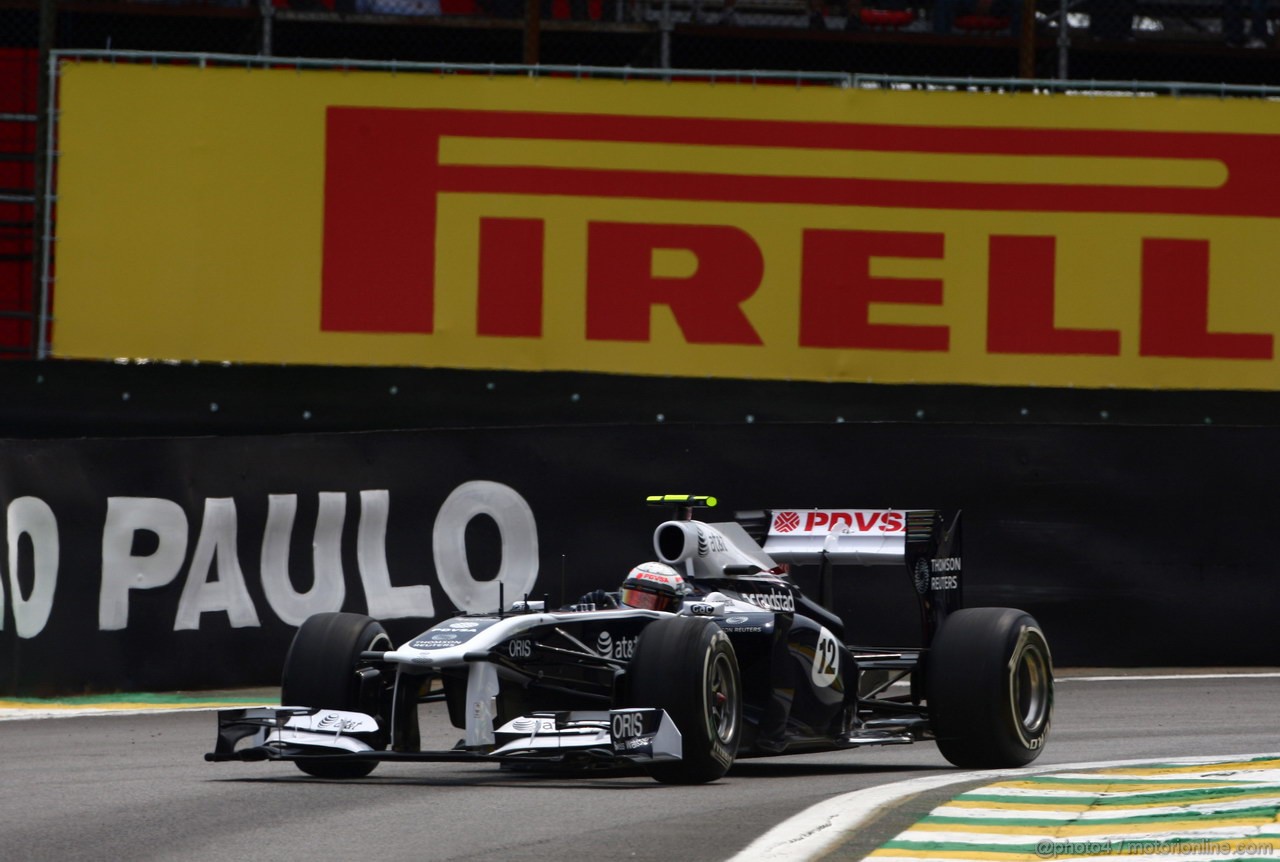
(707, 654)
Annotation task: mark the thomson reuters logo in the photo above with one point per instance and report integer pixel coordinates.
(786, 522)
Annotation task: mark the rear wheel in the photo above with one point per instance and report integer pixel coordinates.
(990, 688)
(320, 671)
(687, 666)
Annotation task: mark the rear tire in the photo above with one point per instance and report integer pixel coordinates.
(319, 671)
(687, 666)
(989, 684)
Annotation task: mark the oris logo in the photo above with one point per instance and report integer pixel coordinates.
(622, 648)
(628, 725)
(520, 648)
(785, 522)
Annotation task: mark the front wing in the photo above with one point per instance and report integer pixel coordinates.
(638, 735)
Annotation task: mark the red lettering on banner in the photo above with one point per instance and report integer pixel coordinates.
(509, 292)
(1020, 315)
(837, 290)
(1175, 306)
(815, 519)
(380, 231)
(866, 523)
(380, 185)
(622, 289)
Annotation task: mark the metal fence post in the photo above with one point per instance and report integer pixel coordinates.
(267, 10)
(1064, 40)
(664, 36)
(41, 212)
(532, 32)
(1027, 41)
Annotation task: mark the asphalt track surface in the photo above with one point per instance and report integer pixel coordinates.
(135, 787)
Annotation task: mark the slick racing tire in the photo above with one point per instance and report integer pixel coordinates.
(989, 684)
(319, 671)
(687, 666)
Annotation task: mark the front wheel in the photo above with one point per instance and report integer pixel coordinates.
(320, 671)
(687, 666)
(989, 683)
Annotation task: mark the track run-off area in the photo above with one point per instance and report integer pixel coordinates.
(1140, 764)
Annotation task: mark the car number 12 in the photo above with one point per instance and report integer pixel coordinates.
(826, 660)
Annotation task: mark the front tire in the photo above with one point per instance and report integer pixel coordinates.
(990, 688)
(319, 671)
(687, 666)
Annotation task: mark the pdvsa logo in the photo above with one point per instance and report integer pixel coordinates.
(785, 522)
(856, 521)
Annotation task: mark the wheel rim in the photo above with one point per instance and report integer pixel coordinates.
(722, 696)
(1031, 688)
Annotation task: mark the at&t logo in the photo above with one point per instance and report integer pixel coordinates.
(622, 648)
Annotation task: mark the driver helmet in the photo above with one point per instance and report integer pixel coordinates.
(653, 587)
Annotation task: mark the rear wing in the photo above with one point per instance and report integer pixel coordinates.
(927, 542)
(844, 537)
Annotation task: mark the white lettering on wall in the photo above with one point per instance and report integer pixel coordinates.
(328, 588)
(32, 517)
(122, 571)
(385, 601)
(146, 541)
(217, 544)
(518, 533)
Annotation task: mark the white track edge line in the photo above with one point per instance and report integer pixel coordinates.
(1166, 676)
(33, 713)
(816, 830)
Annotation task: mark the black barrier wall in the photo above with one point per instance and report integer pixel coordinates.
(73, 398)
(185, 563)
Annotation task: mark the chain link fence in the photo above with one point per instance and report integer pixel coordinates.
(1228, 41)
(19, 114)
(1220, 42)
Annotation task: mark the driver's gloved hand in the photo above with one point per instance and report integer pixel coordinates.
(599, 598)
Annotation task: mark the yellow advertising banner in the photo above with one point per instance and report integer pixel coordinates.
(695, 229)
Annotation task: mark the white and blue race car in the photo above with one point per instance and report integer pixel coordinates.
(708, 654)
